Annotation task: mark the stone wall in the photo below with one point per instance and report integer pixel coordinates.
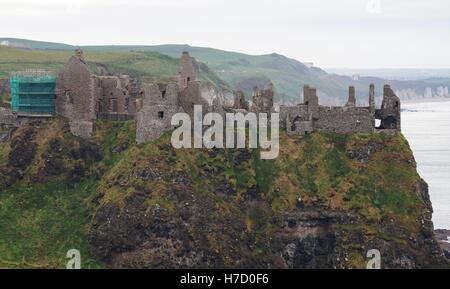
(159, 105)
(75, 90)
(262, 100)
(390, 112)
(291, 114)
(83, 97)
(344, 120)
(310, 116)
(191, 96)
(239, 100)
(5, 87)
(117, 97)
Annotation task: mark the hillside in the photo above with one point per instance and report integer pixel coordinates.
(243, 71)
(134, 63)
(323, 203)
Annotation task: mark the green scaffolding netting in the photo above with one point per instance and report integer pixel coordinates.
(35, 95)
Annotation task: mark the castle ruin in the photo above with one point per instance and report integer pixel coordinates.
(83, 98)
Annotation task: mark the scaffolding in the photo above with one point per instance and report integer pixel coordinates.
(33, 92)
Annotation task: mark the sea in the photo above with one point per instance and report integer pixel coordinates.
(426, 125)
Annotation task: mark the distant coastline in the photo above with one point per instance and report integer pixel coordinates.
(424, 100)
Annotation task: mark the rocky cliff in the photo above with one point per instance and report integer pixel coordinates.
(324, 203)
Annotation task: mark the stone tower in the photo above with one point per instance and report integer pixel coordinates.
(159, 105)
(390, 110)
(75, 98)
(351, 97)
(372, 98)
(186, 72)
(262, 100)
(239, 100)
(311, 101)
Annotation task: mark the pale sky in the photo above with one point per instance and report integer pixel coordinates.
(330, 33)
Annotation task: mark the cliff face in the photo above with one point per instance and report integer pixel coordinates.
(324, 203)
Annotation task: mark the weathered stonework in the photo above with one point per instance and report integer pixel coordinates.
(310, 116)
(186, 73)
(118, 97)
(239, 100)
(351, 97)
(75, 91)
(344, 120)
(160, 104)
(83, 97)
(262, 100)
(389, 114)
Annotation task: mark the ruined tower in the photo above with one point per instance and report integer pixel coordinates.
(186, 72)
(74, 95)
(239, 100)
(311, 101)
(262, 100)
(390, 110)
(351, 97)
(372, 99)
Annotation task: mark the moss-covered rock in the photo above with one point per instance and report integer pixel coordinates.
(323, 203)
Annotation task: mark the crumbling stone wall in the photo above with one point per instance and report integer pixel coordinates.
(83, 97)
(351, 97)
(115, 97)
(390, 112)
(310, 116)
(191, 96)
(239, 100)
(74, 91)
(76, 97)
(159, 105)
(262, 100)
(344, 120)
(311, 100)
(296, 119)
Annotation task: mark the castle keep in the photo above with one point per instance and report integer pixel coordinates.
(83, 98)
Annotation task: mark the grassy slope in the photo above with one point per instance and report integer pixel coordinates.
(42, 217)
(138, 63)
(288, 75)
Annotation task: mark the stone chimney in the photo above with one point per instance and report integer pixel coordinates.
(372, 98)
(186, 73)
(351, 97)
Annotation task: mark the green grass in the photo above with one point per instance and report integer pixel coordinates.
(39, 224)
(134, 63)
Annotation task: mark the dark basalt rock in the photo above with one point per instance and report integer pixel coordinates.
(362, 154)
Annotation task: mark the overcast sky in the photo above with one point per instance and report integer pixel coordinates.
(330, 33)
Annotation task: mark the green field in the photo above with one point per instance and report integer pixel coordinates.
(134, 63)
(223, 69)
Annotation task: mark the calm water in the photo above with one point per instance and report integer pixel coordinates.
(427, 128)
